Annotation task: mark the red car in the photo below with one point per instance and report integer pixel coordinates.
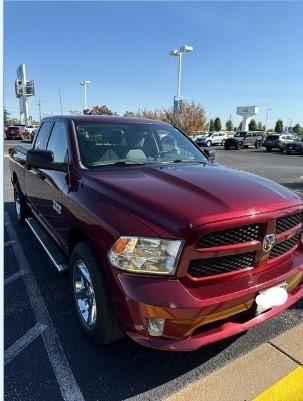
(14, 132)
(161, 243)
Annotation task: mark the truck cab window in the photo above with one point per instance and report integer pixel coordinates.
(57, 142)
(42, 137)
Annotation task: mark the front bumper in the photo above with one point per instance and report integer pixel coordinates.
(193, 320)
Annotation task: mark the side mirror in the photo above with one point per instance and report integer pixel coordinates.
(211, 154)
(39, 158)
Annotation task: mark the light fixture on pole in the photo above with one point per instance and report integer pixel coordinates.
(179, 52)
(267, 111)
(84, 84)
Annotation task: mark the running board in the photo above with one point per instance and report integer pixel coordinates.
(48, 244)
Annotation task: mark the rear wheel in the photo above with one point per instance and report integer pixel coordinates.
(91, 296)
(226, 147)
(239, 145)
(258, 145)
(223, 142)
(208, 143)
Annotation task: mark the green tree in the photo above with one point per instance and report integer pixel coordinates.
(297, 129)
(129, 114)
(259, 126)
(217, 124)
(211, 125)
(279, 127)
(6, 117)
(252, 126)
(263, 127)
(229, 125)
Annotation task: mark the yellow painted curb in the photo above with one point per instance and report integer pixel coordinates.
(290, 388)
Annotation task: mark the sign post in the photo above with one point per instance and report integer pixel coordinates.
(23, 89)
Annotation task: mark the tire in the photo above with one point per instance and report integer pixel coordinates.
(239, 146)
(20, 204)
(258, 145)
(100, 323)
(268, 149)
(223, 142)
(208, 143)
(226, 147)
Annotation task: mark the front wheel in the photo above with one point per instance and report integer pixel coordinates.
(268, 149)
(91, 296)
(20, 204)
(258, 145)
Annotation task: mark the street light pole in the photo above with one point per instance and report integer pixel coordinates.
(84, 84)
(179, 52)
(267, 111)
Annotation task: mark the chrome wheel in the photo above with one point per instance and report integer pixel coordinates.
(17, 202)
(84, 294)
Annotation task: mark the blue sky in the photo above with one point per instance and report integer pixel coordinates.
(245, 53)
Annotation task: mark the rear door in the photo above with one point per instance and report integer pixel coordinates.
(34, 178)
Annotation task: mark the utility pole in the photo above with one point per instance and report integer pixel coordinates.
(60, 102)
(39, 105)
(267, 111)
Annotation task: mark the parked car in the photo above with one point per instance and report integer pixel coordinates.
(15, 132)
(243, 140)
(28, 129)
(213, 138)
(295, 146)
(160, 242)
(272, 142)
(284, 140)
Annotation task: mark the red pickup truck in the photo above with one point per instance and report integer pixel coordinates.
(162, 243)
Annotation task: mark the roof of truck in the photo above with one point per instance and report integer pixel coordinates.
(106, 119)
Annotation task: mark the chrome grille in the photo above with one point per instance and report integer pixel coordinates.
(287, 222)
(225, 264)
(229, 237)
(284, 246)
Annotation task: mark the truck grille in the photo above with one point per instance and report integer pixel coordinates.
(284, 246)
(288, 222)
(225, 264)
(214, 263)
(231, 236)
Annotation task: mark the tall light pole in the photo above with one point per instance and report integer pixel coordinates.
(179, 52)
(84, 84)
(267, 111)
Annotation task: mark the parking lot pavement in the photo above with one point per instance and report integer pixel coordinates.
(49, 358)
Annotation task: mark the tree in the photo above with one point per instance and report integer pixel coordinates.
(99, 110)
(279, 127)
(297, 129)
(263, 127)
(252, 126)
(191, 119)
(229, 125)
(217, 124)
(259, 126)
(6, 117)
(211, 125)
(129, 114)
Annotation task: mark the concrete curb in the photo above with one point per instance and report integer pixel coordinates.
(252, 374)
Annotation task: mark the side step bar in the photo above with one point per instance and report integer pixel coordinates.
(50, 247)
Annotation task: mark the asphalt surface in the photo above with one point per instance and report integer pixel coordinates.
(50, 357)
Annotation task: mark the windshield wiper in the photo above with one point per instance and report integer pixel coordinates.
(118, 163)
(186, 161)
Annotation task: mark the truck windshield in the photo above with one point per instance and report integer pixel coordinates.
(134, 143)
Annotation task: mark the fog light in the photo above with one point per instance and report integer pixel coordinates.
(156, 326)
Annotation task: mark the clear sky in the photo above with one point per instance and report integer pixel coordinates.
(245, 53)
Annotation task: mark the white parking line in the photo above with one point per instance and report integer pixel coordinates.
(68, 386)
(23, 342)
(14, 277)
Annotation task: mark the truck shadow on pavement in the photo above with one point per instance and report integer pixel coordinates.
(124, 369)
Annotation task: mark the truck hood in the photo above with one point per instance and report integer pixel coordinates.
(176, 197)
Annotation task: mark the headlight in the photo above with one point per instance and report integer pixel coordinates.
(145, 255)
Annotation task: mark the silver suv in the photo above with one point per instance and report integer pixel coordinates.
(244, 139)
